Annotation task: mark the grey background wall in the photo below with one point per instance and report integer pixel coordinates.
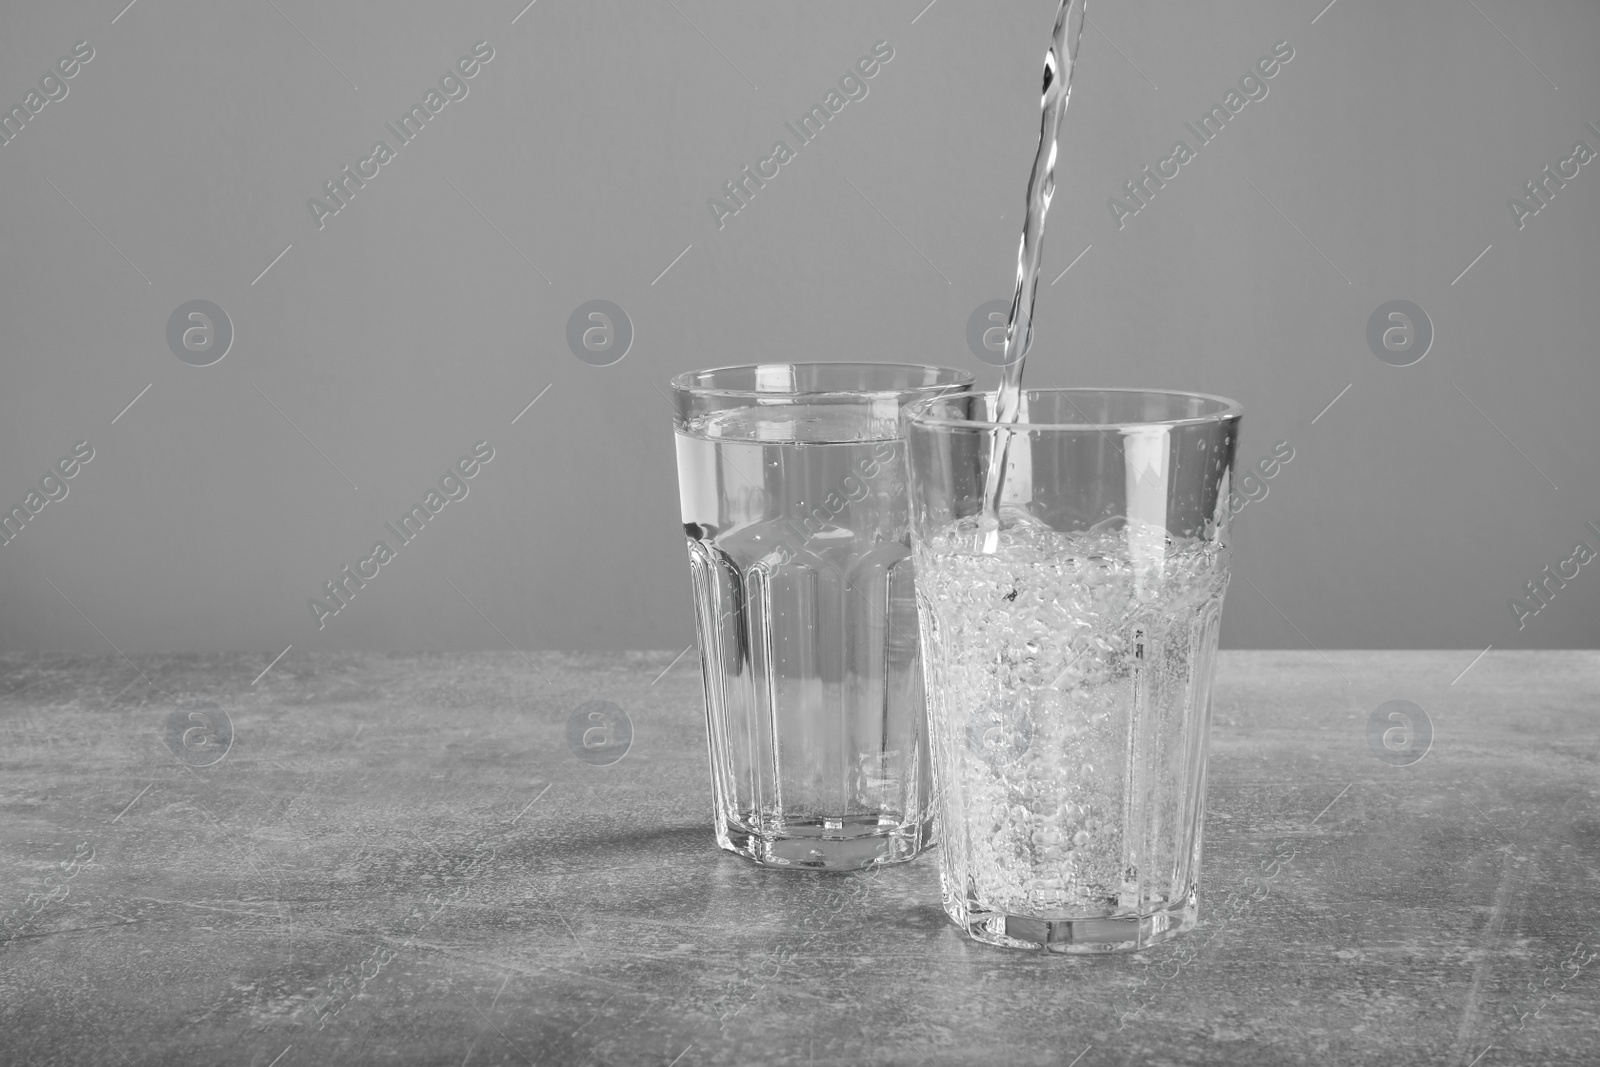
(430, 310)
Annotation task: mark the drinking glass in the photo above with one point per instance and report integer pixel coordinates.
(793, 489)
(1069, 657)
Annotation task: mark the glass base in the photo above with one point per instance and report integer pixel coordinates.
(849, 844)
(1114, 933)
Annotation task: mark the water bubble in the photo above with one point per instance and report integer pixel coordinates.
(1040, 683)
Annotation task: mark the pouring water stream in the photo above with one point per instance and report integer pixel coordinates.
(1059, 62)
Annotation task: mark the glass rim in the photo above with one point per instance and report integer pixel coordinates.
(916, 413)
(684, 383)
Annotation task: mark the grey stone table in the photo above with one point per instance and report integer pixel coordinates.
(400, 859)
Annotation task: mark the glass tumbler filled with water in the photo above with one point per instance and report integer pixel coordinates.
(1069, 655)
(793, 489)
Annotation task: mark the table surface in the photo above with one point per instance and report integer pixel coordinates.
(396, 859)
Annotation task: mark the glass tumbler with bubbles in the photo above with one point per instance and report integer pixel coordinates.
(1069, 656)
